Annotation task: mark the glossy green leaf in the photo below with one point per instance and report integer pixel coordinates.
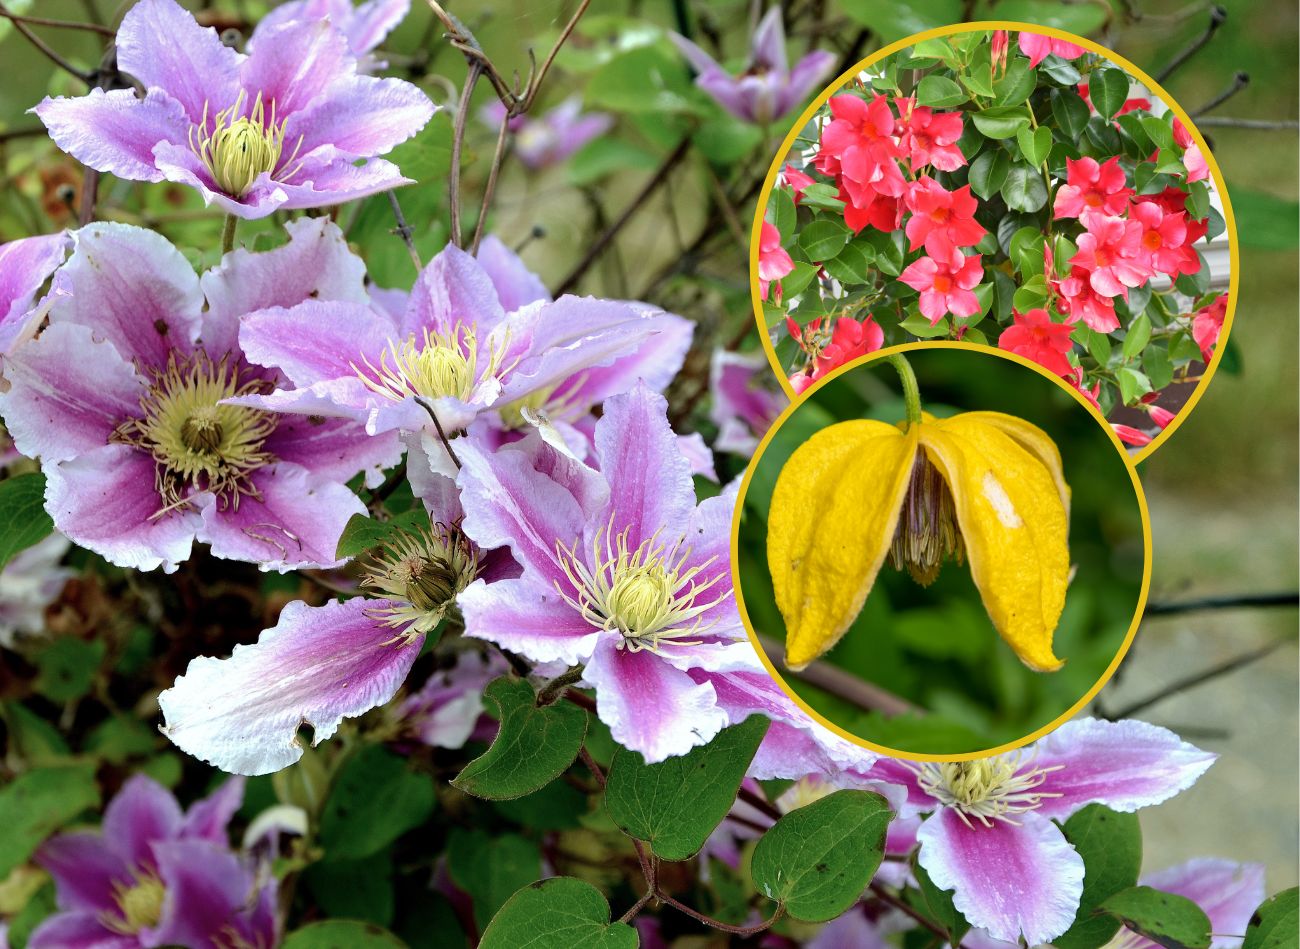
(1108, 89)
(999, 123)
(375, 799)
(491, 867)
(939, 92)
(1071, 113)
(1024, 189)
(823, 239)
(675, 804)
(937, 904)
(559, 913)
(1016, 84)
(1132, 384)
(37, 803)
(533, 746)
(1167, 919)
(920, 327)
(1139, 334)
(781, 212)
(817, 859)
(1274, 924)
(1110, 844)
(1035, 144)
(362, 533)
(988, 171)
(22, 511)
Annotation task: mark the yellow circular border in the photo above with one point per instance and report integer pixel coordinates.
(1129, 462)
(1230, 224)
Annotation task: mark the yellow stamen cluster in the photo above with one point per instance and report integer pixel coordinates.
(139, 905)
(648, 594)
(927, 532)
(426, 571)
(436, 366)
(198, 443)
(241, 147)
(986, 789)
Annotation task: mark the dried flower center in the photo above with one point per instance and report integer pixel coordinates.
(139, 905)
(241, 147)
(427, 571)
(648, 594)
(435, 366)
(196, 442)
(927, 532)
(986, 789)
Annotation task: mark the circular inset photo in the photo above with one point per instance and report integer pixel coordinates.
(941, 551)
(1010, 186)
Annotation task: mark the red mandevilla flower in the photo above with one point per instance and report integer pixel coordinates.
(1091, 187)
(1037, 47)
(929, 137)
(938, 211)
(1111, 251)
(945, 279)
(848, 340)
(1164, 240)
(797, 180)
(773, 260)
(1208, 323)
(1034, 336)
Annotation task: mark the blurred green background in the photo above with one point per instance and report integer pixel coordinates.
(935, 646)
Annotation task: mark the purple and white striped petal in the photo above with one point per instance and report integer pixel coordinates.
(333, 448)
(649, 478)
(295, 65)
(1228, 892)
(209, 818)
(528, 618)
(67, 393)
(318, 341)
(163, 46)
(361, 115)
(78, 931)
(649, 705)
(316, 666)
(114, 131)
(1010, 880)
(85, 870)
(141, 813)
(25, 265)
(453, 289)
(322, 183)
(516, 285)
(1125, 765)
(204, 889)
(296, 523)
(105, 500)
(372, 21)
(132, 288)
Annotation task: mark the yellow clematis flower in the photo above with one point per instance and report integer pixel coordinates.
(980, 485)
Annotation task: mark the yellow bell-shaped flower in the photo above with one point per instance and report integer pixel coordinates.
(982, 485)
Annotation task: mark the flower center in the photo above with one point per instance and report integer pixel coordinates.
(427, 571)
(986, 789)
(197, 442)
(1093, 199)
(239, 149)
(1152, 240)
(1102, 256)
(437, 366)
(649, 594)
(942, 283)
(139, 905)
(940, 215)
(927, 532)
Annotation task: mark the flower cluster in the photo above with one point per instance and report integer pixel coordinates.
(1023, 201)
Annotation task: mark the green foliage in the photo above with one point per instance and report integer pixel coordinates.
(362, 534)
(816, 860)
(491, 867)
(559, 913)
(1110, 844)
(375, 799)
(675, 804)
(1274, 924)
(534, 746)
(1167, 919)
(937, 904)
(22, 511)
(341, 934)
(37, 803)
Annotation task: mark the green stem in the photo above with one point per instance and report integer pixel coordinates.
(228, 234)
(911, 392)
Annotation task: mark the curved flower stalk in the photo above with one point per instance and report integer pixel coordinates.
(25, 265)
(766, 88)
(475, 336)
(982, 486)
(157, 876)
(124, 398)
(989, 835)
(365, 25)
(622, 572)
(292, 125)
(321, 664)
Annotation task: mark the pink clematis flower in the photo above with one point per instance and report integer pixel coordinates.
(125, 398)
(929, 137)
(935, 210)
(1207, 324)
(1038, 47)
(550, 138)
(946, 280)
(291, 125)
(157, 876)
(990, 836)
(365, 26)
(1164, 245)
(25, 265)
(774, 261)
(1034, 336)
(1110, 250)
(1092, 188)
(767, 88)
(622, 571)
(746, 400)
(475, 336)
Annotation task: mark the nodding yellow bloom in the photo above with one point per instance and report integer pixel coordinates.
(982, 486)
